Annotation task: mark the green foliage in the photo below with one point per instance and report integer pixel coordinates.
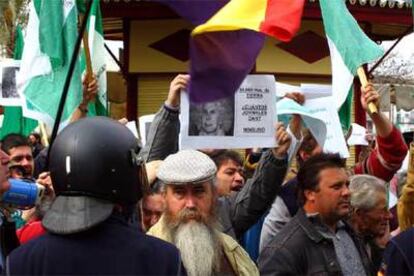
(12, 14)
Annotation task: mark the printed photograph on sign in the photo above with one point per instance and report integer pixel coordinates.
(8, 84)
(243, 120)
(8, 89)
(212, 119)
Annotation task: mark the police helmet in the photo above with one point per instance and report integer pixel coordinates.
(96, 157)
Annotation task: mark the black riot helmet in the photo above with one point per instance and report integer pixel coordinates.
(96, 157)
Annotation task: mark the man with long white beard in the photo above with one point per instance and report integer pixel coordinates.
(189, 220)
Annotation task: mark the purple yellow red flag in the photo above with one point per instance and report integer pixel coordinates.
(277, 18)
(223, 50)
(220, 61)
(195, 11)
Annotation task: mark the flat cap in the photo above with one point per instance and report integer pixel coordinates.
(187, 166)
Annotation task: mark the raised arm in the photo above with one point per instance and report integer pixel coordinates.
(89, 91)
(387, 157)
(257, 195)
(162, 137)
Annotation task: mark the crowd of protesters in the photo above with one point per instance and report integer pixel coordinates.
(112, 207)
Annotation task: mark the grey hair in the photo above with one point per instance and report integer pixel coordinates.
(365, 190)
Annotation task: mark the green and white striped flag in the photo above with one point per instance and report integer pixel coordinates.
(50, 38)
(349, 47)
(13, 121)
(52, 31)
(97, 50)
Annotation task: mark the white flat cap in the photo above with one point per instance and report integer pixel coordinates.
(186, 166)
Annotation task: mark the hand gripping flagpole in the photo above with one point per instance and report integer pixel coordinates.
(69, 75)
(364, 82)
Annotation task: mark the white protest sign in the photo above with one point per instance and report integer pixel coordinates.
(357, 136)
(144, 127)
(392, 199)
(325, 109)
(244, 120)
(8, 90)
(313, 91)
(315, 124)
(133, 128)
(283, 88)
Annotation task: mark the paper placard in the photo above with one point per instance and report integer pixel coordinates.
(314, 123)
(144, 127)
(313, 91)
(324, 109)
(392, 199)
(132, 126)
(357, 136)
(8, 89)
(283, 88)
(244, 120)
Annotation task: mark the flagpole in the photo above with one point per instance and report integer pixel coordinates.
(364, 82)
(69, 76)
(43, 134)
(89, 70)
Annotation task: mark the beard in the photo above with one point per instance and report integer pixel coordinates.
(197, 238)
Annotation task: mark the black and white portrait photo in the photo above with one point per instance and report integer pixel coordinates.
(212, 118)
(8, 82)
(9, 70)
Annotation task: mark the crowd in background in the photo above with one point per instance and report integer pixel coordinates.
(289, 210)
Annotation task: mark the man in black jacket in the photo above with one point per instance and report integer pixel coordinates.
(95, 173)
(317, 240)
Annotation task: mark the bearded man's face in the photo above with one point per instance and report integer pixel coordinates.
(191, 221)
(190, 202)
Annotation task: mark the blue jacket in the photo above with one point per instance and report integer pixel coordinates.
(113, 247)
(399, 254)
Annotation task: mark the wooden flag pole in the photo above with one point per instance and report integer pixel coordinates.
(43, 134)
(89, 70)
(364, 82)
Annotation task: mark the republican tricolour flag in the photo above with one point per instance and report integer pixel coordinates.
(224, 49)
(349, 47)
(276, 18)
(51, 35)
